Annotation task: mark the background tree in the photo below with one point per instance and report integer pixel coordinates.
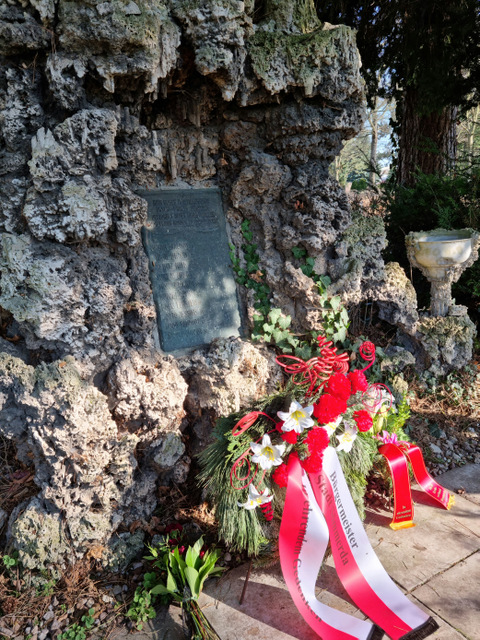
(425, 54)
(368, 155)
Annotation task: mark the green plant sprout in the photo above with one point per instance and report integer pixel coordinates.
(271, 324)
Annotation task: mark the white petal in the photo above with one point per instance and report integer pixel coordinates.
(295, 406)
(266, 442)
(256, 447)
(290, 425)
(253, 492)
(279, 449)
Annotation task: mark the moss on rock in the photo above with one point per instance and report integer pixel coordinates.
(297, 59)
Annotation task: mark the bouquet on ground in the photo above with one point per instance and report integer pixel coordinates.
(179, 574)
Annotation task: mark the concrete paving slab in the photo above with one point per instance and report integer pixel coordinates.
(445, 630)
(455, 596)
(439, 540)
(467, 477)
(267, 611)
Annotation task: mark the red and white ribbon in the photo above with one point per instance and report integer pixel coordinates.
(319, 506)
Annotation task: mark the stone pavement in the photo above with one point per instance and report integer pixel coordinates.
(437, 563)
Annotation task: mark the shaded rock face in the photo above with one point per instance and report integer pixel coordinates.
(99, 100)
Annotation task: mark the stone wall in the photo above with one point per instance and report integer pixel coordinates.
(97, 101)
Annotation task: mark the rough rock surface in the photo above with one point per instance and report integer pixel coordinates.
(85, 469)
(99, 100)
(446, 341)
(230, 375)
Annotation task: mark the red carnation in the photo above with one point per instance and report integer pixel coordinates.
(358, 380)
(279, 426)
(280, 475)
(340, 386)
(363, 419)
(328, 408)
(313, 464)
(317, 440)
(290, 437)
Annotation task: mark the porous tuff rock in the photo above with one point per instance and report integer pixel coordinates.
(359, 273)
(446, 342)
(312, 61)
(67, 302)
(131, 95)
(117, 41)
(218, 31)
(72, 197)
(148, 392)
(84, 468)
(229, 376)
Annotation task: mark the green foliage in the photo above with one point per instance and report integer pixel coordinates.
(78, 630)
(74, 632)
(334, 315)
(10, 561)
(181, 577)
(46, 590)
(141, 608)
(356, 465)
(393, 59)
(272, 325)
(239, 528)
(250, 276)
(360, 184)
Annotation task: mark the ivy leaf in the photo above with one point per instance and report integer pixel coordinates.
(340, 335)
(284, 322)
(344, 316)
(299, 252)
(335, 302)
(278, 335)
(304, 352)
(274, 315)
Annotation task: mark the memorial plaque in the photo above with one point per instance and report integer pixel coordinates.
(190, 269)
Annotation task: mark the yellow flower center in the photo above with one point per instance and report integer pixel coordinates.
(347, 437)
(298, 415)
(268, 453)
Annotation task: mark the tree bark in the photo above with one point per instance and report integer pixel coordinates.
(427, 142)
(373, 143)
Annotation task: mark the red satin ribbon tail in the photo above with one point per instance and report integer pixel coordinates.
(428, 484)
(402, 497)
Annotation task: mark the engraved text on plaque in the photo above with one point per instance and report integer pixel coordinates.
(193, 286)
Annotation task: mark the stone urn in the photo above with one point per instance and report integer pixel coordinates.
(442, 256)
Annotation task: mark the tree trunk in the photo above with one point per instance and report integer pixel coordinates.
(373, 143)
(426, 142)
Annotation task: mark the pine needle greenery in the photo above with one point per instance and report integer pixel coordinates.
(239, 528)
(356, 465)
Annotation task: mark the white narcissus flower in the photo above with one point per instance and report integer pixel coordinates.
(331, 427)
(348, 438)
(255, 499)
(266, 454)
(297, 418)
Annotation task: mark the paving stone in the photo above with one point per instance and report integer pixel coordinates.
(439, 540)
(455, 596)
(467, 477)
(445, 630)
(267, 610)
